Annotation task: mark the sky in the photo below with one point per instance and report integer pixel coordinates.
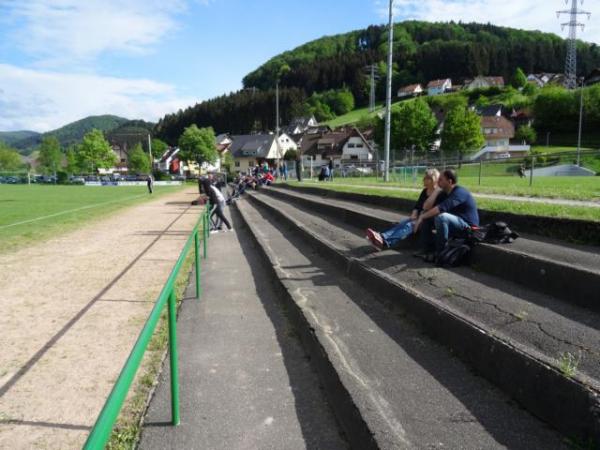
(63, 60)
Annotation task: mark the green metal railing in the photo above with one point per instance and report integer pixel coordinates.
(102, 429)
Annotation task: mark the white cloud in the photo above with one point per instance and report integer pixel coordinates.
(538, 15)
(71, 31)
(44, 100)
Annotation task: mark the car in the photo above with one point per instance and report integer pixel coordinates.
(503, 155)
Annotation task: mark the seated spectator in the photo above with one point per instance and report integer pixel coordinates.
(453, 216)
(324, 173)
(428, 198)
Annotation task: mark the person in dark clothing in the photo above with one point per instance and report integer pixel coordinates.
(428, 198)
(299, 169)
(217, 202)
(331, 169)
(150, 183)
(456, 213)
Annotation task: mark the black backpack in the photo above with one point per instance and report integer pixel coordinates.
(455, 253)
(499, 233)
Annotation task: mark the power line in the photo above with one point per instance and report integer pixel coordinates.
(573, 24)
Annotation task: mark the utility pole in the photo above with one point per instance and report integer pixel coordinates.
(373, 74)
(573, 24)
(150, 152)
(580, 124)
(277, 109)
(388, 97)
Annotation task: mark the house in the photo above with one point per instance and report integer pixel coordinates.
(484, 82)
(490, 110)
(437, 87)
(497, 132)
(299, 125)
(535, 80)
(412, 90)
(250, 150)
(593, 78)
(169, 162)
(346, 145)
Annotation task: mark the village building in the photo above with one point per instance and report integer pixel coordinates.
(438, 87)
(484, 83)
(344, 146)
(412, 90)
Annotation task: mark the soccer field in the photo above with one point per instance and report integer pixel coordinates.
(36, 212)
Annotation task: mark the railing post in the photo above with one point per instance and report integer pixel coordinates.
(173, 358)
(206, 229)
(197, 257)
(480, 168)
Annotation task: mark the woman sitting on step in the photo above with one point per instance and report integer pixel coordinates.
(428, 199)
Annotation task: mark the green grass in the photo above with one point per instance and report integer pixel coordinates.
(68, 206)
(515, 207)
(571, 188)
(355, 115)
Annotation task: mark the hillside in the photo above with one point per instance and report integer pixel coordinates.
(68, 134)
(13, 137)
(422, 52)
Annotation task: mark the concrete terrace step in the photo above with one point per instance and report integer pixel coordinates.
(390, 386)
(566, 271)
(245, 380)
(513, 336)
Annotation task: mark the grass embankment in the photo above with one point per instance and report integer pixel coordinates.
(570, 188)
(508, 206)
(33, 213)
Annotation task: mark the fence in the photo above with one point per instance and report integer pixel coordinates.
(409, 171)
(104, 424)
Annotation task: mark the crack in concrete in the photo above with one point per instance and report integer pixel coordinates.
(516, 317)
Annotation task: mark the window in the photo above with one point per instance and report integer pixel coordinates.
(353, 156)
(237, 164)
(350, 145)
(359, 145)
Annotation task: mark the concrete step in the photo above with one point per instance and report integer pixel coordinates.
(566, 271)
(245, 380)
(391, 386)
(517, 338)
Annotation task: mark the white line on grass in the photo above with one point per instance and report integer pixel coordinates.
(69, 211)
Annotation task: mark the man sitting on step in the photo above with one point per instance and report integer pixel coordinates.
(453, 216)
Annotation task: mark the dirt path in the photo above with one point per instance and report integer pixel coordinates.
(72, 308)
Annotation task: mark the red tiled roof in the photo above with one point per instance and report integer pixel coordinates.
(437, 83)
(501, 127)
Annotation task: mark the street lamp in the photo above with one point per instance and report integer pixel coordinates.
(388, 98)
(580, 124)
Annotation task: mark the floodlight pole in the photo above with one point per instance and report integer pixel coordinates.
(388, 98)
(580, 125)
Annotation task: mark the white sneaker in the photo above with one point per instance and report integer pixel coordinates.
(214, 231)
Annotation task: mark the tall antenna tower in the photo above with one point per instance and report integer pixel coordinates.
(573, 24)
(373, 72)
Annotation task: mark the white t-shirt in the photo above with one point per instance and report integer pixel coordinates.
(218, 193)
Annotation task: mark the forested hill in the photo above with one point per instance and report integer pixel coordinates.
(71, 133)
(422, 51)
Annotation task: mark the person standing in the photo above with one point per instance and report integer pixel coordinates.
(299, 168)
(150, 183)
(331, 169)
(217, 203)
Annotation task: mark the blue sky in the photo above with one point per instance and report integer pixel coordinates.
(61, 60)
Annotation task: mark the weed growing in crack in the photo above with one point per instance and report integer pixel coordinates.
(568, 363)
(449, 292)
(522, 315)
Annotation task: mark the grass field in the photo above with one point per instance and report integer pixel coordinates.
(537, 209)
(33, 213)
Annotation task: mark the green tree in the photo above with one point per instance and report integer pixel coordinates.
(71, 159)
(462, 132)
(228, 162)
(526, 134)
(10, 160)
(413, 126)
(519, 79)
(138, 161)
(158, 148)
(198, 144)
(95, 152)
(50, 158)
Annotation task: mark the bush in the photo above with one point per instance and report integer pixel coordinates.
(161, 176)
(62, 177)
